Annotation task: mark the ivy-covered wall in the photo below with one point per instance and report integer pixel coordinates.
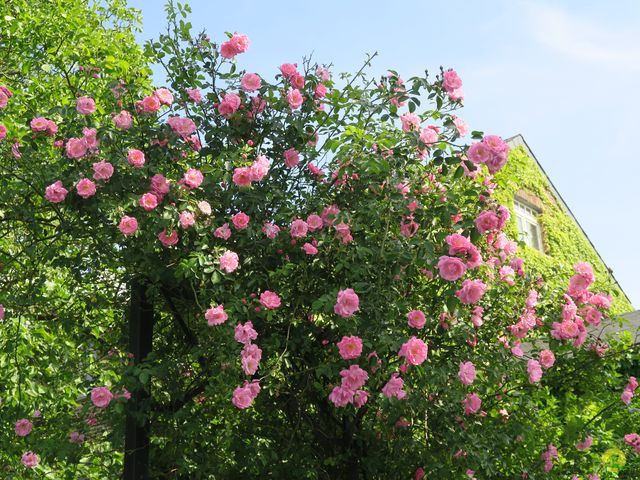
(564, 242)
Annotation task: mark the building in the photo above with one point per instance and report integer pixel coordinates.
(553, 239)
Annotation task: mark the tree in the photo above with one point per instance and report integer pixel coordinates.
(332, 292)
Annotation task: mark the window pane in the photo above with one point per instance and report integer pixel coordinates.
(533, 234)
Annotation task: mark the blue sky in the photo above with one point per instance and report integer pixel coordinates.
(564, 74)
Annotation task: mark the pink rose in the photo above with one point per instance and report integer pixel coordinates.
(76, 147)
(228, 261)
(410, 122)
(238, 43)
(471, 403)
(347, 303)
(295, 99)
(350, 347)
(341, 396)
(354, 377)
(223, 232)
(320, 91)
(55, 193)
(451, 81)
(148, 201)
(164, 96)
(585, 444)
(414, 350)
(76, 437)
(250, 357)
(86, 188)
(546, 358)
(428, 136)
(298, 228)
(186, 219)
(193, 177)
(314, 222)
(467, 373)
(534, 370)
(150, 104)
(30, 459)
(309, 249)
(259, 168)
(461, 126)
(160, 185)
(102, 170)
(101, 397)
(360, 398)
(244, 396)
(168, 240)
(250, 82)
(23, 427)
(85, 105)
(270, 230)
(291, 157)
(204, 207)
(487, 221)
(270, 300)
(216, 316)
(194, 94)
(128, 225)
(182, 126)
(123, 120)
(240, 220)
(471, 291)
(3, 132)
(229, 105)
(394, 387)
(451, 268)
(289, 69)
(135, 158)
(245, 333)
(416, 319)
(242, 176)
(4, 99)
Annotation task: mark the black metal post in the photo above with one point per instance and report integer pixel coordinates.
(136, 444)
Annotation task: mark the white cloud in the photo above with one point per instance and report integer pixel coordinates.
(583, 40)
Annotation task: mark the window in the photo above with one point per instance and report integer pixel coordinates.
(528, 226)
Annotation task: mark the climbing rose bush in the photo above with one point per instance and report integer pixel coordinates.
(332, 288)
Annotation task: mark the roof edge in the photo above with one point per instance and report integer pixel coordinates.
(519, 141)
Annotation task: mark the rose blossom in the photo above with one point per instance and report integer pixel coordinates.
(76, 437)
(242, 176)
(288, 69)
(471, 403)
(238, 43)
(85, 105)
(102, 170)
(204, 207)
(148, 201)
(585, 444)
(250, 82)
(128, 225)
(250, 357)
(354, 377)
(486, 221)
(194, 94)
(410, 122)
(291, 157)
(182, 126)
(394, 387)
(295, 99)
(350, 347)
(414, 350)
(135, 158)
(223, 232)
(168, 240)
(309, 249)
(193, 177)
(314, 222)
(347, 303)
(471, 291)
(467, 373)
(230, 104)
(546, 358)
(244, 396)
(86, 188)
(216, 316)
(55, 192)
(270, 300)
(534, 370)
(341, 396)
(228, 261)
(23, 427)
(240, 220)
(270, 230)
(298, 228)
(101, 397)
(451, 81)
(160, 185)
(150, 104)
(123, 120)
(451, 268)
(3, 132)
(416, 319)
(245, 333)
(186, 219)
(76, 148)
(164, 95)
(30, 459)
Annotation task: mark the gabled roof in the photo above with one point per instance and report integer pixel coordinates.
(519, 141)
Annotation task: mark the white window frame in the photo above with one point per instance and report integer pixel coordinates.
(526, 218)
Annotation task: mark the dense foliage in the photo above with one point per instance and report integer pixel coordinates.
(333, 292)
